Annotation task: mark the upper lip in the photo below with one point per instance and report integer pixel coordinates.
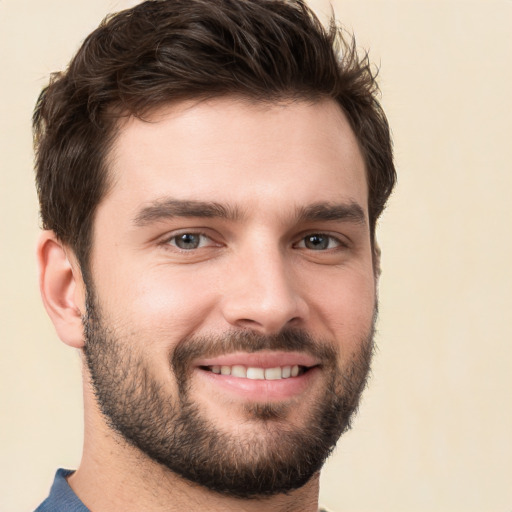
(261, 359)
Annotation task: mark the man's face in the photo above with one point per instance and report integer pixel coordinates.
(231, 309)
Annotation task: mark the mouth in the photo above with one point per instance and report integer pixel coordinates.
(260, 376)
(258, 373)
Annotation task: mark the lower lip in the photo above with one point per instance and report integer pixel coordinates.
(259, 390)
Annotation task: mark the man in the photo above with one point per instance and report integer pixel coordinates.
(210, 174)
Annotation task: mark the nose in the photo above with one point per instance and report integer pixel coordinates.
(262, 293)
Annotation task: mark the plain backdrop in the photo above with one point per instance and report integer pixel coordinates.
(434, 428)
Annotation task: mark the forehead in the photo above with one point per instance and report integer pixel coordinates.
(241, 152)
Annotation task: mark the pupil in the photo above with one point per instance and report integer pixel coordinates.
(317, 242)
(187, 241)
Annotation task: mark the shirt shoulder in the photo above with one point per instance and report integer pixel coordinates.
(61, 497)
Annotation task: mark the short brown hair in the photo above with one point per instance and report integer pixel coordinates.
(164, 51)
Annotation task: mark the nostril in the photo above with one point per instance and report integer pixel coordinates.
(294, 321)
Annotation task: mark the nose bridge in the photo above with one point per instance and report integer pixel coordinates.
(262, 292)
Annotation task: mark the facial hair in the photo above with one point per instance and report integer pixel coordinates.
(275, 457)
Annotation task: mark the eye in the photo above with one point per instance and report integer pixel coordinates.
(319, 242)
(189, 241)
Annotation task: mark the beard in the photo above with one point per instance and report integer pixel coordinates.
(272, 457)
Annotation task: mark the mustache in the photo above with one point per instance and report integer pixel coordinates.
(289, 340)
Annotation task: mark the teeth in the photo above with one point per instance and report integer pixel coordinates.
(255, 373)
(273, 374)
(238, 371)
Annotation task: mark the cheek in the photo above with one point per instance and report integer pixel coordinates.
(346, 307)
(162, 302)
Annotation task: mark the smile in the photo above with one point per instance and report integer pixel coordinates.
(259, 376)
(258, 373)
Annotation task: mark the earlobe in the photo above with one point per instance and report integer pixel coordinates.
(62, 289)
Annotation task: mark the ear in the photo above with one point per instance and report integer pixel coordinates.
(62, 288)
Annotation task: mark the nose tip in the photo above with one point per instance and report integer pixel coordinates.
(264, 299)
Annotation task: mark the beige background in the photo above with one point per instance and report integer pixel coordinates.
(435, 426)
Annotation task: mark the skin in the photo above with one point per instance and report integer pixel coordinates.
(252, 270)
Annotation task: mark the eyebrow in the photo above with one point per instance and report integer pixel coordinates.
(351, 212)
(163, 209)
